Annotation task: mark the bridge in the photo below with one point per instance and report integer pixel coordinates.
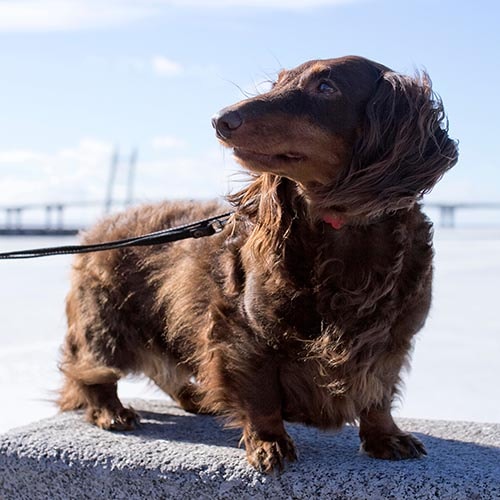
(447, 211)
(51, 217)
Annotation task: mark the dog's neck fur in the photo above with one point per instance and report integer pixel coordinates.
(283, 228)
(277, 206)
(343, 274)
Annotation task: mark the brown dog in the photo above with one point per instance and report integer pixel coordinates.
(304, 308)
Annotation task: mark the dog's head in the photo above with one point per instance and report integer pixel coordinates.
(358, 138)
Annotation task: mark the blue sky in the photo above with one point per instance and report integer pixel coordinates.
(78, 77)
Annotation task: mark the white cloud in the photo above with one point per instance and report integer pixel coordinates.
(187, 177)
(80, 173)
(60, 15)
(20, 156)
(168, 142)
(159, 65)
(69, 174)
(165, 67)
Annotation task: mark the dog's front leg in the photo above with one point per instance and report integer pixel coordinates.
(239, 377)
(266, 441)
(382, 438)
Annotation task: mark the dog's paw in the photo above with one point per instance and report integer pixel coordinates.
(121, 419)
(268, 456)
(393, 446)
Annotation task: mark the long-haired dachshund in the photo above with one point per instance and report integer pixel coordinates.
(304, 307)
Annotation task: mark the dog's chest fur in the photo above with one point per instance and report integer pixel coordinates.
(337, 278)
(331, 313)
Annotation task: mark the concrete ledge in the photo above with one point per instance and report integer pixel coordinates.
(178, 455)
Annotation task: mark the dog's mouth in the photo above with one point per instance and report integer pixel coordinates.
(248, 155)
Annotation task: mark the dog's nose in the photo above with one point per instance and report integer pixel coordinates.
(226, 122)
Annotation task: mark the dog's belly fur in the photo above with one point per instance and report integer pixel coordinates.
(197, 309)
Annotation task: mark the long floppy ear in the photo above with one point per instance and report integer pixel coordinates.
(403, 148)
(269, 202)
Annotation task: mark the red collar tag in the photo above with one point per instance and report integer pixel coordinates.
(335, 222)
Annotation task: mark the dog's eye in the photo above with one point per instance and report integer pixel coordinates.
(326, 88)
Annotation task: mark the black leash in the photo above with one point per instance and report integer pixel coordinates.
(198, 229)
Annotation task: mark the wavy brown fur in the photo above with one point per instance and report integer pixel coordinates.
(280, 316)
(402, 153)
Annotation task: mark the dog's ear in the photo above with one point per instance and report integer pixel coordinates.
(403, 148)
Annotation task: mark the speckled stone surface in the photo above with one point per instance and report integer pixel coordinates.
(177, 455)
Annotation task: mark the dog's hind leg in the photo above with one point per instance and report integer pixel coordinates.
(94, 388)
(90, 382)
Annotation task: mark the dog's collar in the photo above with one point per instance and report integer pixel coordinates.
(336, 222)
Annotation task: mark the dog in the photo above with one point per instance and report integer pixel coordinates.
(304, 307)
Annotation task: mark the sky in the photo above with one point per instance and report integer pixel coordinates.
(79, 78)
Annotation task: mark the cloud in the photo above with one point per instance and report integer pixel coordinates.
(166, 67)
(202, 176)
(20, 156)
(158, 65)
(168, 142)
(69, 174)
(80, 173)
(62, 15)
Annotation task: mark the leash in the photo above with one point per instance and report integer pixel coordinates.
(198, 229)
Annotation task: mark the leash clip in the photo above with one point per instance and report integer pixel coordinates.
(218, 225)
(214, 227)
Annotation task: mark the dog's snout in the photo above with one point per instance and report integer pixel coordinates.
(226, 122)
